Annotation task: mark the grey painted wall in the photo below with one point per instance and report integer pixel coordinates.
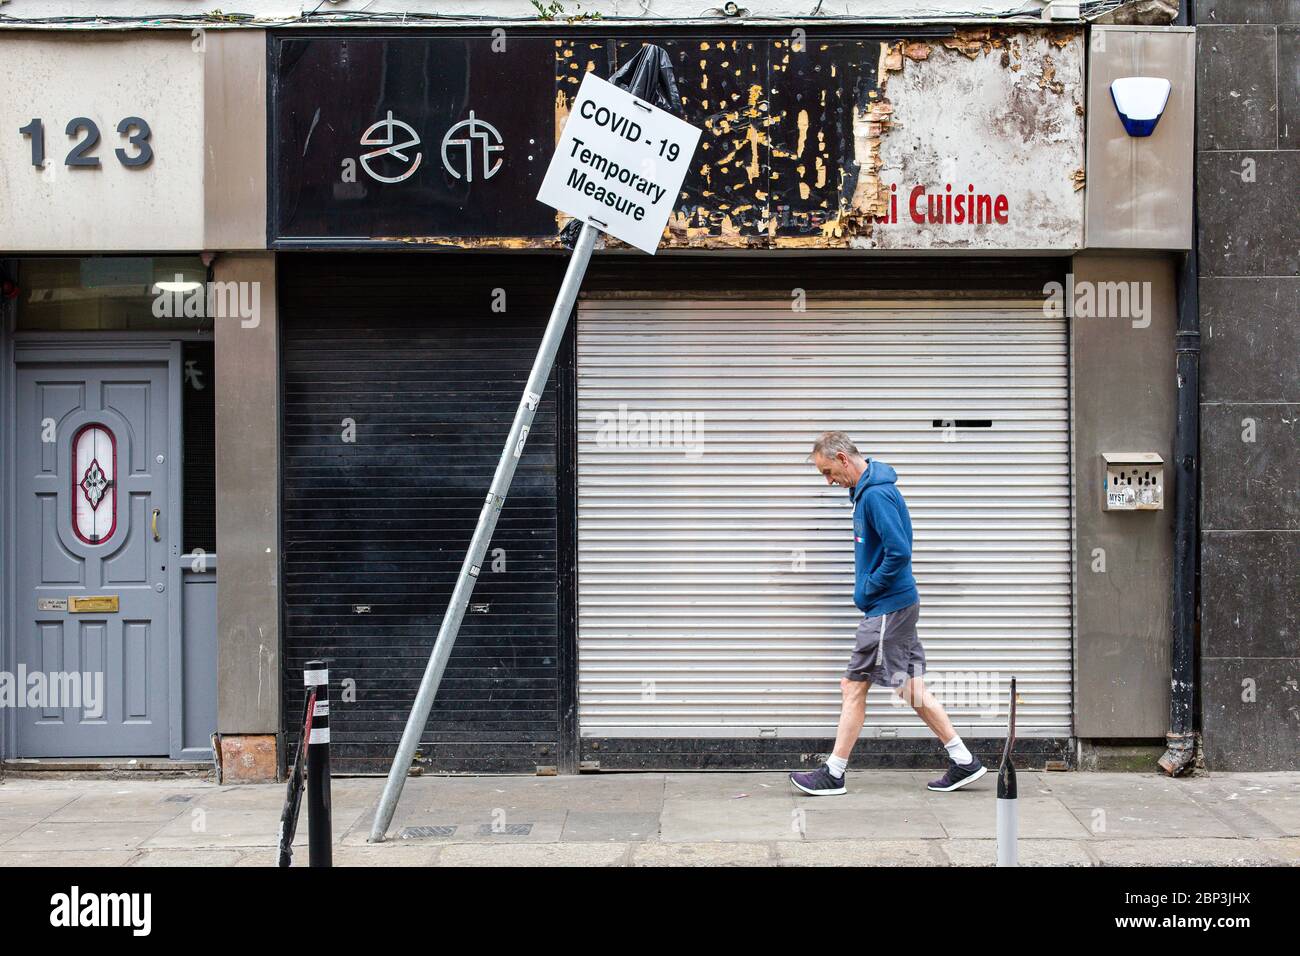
(248, 513)
(1137, 186)
(1248, 114)
(234, 132)
(1125, 394)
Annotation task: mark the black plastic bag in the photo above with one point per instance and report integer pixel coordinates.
(649, 76)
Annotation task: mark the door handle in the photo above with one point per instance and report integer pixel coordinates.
(154, 524)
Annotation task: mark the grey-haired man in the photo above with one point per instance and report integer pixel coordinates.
(887, 649)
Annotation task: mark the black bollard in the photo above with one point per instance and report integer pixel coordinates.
(1008, 810)
(320, 829)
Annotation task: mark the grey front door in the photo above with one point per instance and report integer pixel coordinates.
(92, 595)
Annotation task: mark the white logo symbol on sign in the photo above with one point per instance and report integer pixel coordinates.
(482, 131)
(390, 147)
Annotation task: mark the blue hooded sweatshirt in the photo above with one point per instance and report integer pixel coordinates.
(882, 543)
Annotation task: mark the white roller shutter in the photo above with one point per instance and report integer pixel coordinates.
(715, 564)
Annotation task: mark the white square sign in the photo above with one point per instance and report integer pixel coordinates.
(619, 163)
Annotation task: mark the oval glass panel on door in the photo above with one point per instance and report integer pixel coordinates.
(94, 497)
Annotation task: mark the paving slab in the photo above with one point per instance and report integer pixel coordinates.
(1155, 820)
(1136, 806)
(100, 836)
(702, 854)
(701, 821)
(495, 825)
(10, 827)
(910, 823)
(33, 803)
(614, 826)
(1256, 805)
(1287, 850)
(858, 853)
(252, 796)
(1040, 817)
(552, 854)
(630, 792)
(1029, 853)
(726, 786)
(139, 804)
(1190, 852)
(270, 856)
(76, 858)
(187, 857)
(380, 855)
(877, 798)
(225, 828)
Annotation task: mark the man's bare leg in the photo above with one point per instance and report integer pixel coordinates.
(853, 711)
(927, 708)
(828, 780)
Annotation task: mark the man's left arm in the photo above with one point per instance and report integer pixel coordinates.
(888, 524)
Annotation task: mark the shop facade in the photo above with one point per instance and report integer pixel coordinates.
(866, 243)
(887, 231)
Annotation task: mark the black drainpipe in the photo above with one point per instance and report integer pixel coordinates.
(1181, 738)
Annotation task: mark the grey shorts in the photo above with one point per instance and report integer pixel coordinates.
(887, 650)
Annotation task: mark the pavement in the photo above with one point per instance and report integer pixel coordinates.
(666, 819)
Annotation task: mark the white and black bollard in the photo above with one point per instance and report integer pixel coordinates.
(1008, 812)
(320, 829)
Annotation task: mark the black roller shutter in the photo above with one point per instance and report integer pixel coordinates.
(410, 349)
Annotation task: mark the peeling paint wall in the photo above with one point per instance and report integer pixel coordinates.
(1002, 111)
(820, 144)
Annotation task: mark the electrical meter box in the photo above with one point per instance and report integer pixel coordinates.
(1135, 481)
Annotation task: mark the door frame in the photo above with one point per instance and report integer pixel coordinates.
(123, 348)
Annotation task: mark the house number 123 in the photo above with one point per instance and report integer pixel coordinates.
(133, 128)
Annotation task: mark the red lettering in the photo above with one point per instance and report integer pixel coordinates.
(918, 217)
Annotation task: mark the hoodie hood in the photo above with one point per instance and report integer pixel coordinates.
(877, 473)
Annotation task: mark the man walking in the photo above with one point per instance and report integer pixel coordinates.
(887, 649)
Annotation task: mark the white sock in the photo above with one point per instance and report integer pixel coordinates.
(958, 752)
(837, 764)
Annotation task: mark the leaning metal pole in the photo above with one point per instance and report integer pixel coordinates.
(487, 522)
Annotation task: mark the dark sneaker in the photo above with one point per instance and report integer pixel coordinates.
(958, 776)
(818, 783)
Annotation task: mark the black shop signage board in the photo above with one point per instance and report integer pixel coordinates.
(383, 139)
(407, 138)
